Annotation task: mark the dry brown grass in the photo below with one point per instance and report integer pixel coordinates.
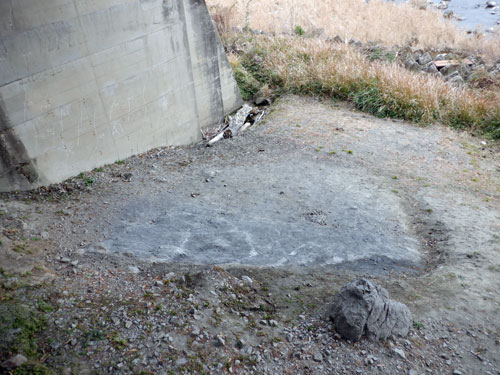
(377, 21)
(317, 67)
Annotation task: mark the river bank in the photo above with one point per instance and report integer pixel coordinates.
(469, 15)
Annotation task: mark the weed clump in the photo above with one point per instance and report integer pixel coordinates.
(299, 31)
(19, 329)
(247, 84)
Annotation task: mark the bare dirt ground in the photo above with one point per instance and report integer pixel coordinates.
(225, 259)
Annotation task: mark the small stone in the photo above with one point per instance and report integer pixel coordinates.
(240, 343)
(318, 357)
(448, 14)
(134, 269)
(273, 323)
(169, 276)
(15, 361)
(64, 260)
(399, 352)
(257, 357)
(67, 371)
(219, 341)
(195, 331)
(211, 174)
(443, 56)
(371, 359)
(457, 372)
(337, 39)
(181, 362)
(247, 280)
(167, 338)
(128, 324)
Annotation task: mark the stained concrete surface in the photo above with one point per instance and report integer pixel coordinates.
(86, 83)
(298, 212)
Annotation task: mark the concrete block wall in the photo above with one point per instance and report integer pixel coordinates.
(84, 83)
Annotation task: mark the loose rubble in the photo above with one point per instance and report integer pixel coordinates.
(457, 68)
(105, 320)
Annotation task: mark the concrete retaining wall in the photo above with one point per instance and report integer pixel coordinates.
(87, 82)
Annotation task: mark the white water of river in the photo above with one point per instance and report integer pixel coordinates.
(474, 12)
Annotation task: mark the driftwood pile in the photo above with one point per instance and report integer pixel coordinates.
(242, 120)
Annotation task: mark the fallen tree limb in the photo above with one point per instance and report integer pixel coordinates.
(236, 122)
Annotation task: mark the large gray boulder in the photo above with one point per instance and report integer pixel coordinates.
(424, 59)
(455, 80)
(362, 307)
(430, 67)
(410, 63)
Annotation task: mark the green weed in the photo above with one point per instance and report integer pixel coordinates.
(299, 31)
(418, 325)
(247, 84)
(29, 325)
(118, 342)
(89, 181)
(45, 307)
